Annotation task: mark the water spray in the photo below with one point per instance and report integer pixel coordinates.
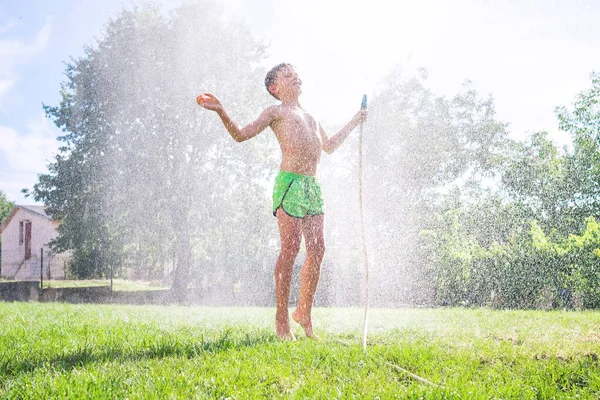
(363, 106)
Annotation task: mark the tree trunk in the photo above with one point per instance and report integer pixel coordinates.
(181, 273)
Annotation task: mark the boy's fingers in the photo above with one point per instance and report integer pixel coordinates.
(205, 98)
(212, 96)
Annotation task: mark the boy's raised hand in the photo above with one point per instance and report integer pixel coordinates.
(361, 116)
(209, 101)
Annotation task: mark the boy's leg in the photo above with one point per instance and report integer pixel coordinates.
(312, 227)
(290, 232)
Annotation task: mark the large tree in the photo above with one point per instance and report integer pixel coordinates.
(534, 174)
(560, 189)
(146, 178)
(582, 123)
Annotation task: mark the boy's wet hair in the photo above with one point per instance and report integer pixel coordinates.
(272, 77)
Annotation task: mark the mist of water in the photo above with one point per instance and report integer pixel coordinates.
(186, 205)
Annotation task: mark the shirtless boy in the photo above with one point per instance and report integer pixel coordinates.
(297, 199)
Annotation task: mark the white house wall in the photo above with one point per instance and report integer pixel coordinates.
(43, 230)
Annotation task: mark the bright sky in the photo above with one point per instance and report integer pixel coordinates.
(531, 56)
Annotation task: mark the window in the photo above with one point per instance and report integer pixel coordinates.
(20, 232)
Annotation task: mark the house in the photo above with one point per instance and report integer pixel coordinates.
(25, 232)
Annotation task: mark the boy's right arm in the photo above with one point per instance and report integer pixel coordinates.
(237, 132)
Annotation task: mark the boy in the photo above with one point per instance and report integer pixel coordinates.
(297, 200)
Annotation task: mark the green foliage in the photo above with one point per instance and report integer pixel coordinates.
(534, 244)
(536, 176)
(583, 162)
(6, 206)
(528, 269)
(579, 257)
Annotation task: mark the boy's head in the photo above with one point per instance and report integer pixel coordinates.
(280, 78)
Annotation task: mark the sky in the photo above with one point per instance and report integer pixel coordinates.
(530, 56)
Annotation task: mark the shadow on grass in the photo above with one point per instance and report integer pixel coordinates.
(168, 346)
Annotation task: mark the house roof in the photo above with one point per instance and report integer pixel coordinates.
(38, 210)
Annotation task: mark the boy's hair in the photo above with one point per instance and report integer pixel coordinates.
(272, 77)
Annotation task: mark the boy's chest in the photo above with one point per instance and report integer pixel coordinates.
(298, 127)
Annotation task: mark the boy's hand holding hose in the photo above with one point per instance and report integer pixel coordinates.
(360, 117)
(362, 114)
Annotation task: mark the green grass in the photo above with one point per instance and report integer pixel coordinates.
(54, 350)
(118, 284)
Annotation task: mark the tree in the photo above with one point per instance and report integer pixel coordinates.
(559, 189)
(583, 162)
(535, 244)
(146, 179)
(535, 175)
(6, 206)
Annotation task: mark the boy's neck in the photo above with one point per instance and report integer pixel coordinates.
(291, 101)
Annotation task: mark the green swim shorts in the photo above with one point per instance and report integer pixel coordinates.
(298, 195)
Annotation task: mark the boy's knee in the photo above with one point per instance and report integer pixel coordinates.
(290, 249)
(316, 250)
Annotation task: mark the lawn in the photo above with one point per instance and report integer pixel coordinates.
(118, 284)
(54, 350)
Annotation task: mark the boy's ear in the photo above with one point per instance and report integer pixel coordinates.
(273, 88)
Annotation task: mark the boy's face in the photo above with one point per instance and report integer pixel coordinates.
(287, 83)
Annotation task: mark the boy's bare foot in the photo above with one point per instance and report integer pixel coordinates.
(283, 331)
(288, 337)
(306, 324)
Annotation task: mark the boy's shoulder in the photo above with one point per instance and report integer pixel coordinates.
(276, 111)
(275, 108)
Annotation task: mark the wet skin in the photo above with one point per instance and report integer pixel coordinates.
(301, 140)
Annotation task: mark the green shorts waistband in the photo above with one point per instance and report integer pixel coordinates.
(294, 175)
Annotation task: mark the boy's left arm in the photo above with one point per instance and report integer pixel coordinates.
(330, 144)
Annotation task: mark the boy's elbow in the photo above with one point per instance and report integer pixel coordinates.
(328, 148)
(239, 138)
(243, 135)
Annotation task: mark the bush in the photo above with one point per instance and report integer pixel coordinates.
(531, 271)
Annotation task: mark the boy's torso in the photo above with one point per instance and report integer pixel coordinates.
(299, 138)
